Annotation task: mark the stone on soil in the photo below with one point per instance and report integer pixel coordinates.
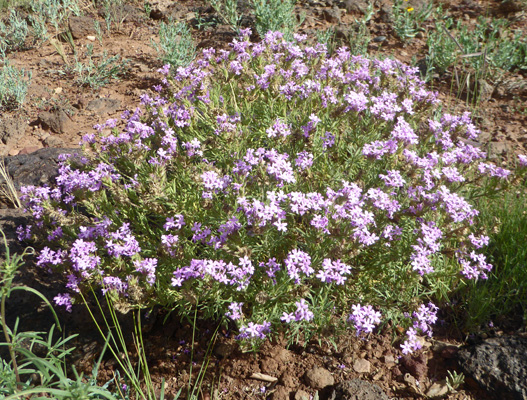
(302, 395)
(318, 378)
(438, 390)
(58, 121)
(81, 27)
(362, 366)
(499, 365)
(356, 389)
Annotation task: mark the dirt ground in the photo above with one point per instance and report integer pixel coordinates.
(58, 112)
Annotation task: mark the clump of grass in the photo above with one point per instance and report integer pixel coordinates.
(407, 21)
(503, 297)
(491, 44)
(8, 190)
(14, 84)
(175, 46)
(56, 12)
(13, 34)
(95, 73)
(16, 380)
(228, 12)
(275, 15)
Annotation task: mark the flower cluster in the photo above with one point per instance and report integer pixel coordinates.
(265, 175)
(364, 318)
(423, 318)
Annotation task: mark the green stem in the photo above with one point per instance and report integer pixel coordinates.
(8, 340)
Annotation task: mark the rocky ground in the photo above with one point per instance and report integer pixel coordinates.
(58, 112)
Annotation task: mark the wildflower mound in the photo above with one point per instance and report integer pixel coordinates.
(285, 189)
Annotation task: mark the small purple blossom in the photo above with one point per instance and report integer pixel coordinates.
(254, 331)
(235, 311)
(65, 300)
(302, 312)
(364, 318)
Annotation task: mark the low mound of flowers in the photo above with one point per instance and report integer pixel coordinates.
(286, 189)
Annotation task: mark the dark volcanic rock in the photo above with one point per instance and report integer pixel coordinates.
(354, 389)
(499, 365)
(37, 168)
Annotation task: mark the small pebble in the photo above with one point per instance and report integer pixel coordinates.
(379, 39)
(362, 366)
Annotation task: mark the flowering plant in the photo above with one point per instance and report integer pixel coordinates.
(274, 185)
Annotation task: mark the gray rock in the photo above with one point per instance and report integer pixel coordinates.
(332, 15)
(11, 130)
(438, 390)
(57, 121)
(53, 141)
(355, 389)
(37, 168)
(80, 27)
(319, 378)
(104, 105)
(356, 6)
(499, 365)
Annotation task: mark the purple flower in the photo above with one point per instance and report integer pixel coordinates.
(235, 311)
(287, 317)
(113, 283)
(302, 312)
(403, 132)
(296, 262)
(364, 318)
(122, 242)
(385, 106)
(23, 232)
(328, 140)
(304, 160)
(393, 178)
(279, 128)
(423, 318)
(357, 101)
(175, 222)
(254, 331)
(148, 267)
(379, 148)
(333, 271)
(64, 299)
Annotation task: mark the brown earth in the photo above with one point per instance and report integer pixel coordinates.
(59, 112)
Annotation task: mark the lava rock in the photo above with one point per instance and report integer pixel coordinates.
(355, 389)
(58, 121)
(80, 27)
(53, 141)
(499, 365)
(416, 365)
(319, 378)
(37, 168)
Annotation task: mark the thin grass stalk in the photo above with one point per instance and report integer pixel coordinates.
(10, 193)
(128, 370)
